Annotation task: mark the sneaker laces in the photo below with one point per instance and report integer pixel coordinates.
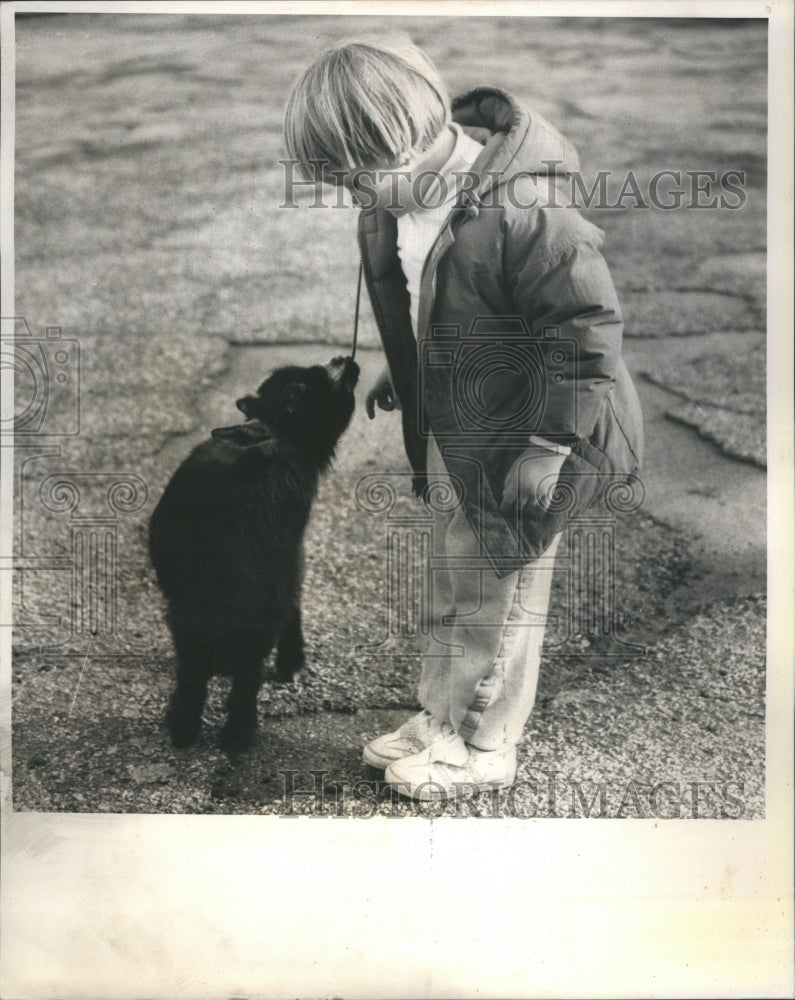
(447, 738)
(446, 733)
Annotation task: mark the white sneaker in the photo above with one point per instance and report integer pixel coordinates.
(413, 736)
(448, 766)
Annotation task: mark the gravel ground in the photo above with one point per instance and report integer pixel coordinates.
(89, 733)
(148, 228)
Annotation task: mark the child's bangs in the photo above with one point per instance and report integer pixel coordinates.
(364, 106)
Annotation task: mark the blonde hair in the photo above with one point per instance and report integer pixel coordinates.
(365, 102)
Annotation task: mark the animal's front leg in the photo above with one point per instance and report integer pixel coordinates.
(290, 649)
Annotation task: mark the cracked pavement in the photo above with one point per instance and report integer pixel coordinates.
(148, 228)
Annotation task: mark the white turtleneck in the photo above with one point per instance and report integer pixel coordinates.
(417, 230)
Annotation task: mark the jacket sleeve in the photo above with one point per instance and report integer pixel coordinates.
(560, 285)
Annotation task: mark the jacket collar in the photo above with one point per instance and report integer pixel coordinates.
(517, 139)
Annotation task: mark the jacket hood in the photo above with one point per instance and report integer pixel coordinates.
(517, 139)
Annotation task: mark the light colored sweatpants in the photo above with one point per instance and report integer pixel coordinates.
(485, 685)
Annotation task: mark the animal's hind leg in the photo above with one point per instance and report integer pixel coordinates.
(194, 669)
(290, 648)
(244, 654)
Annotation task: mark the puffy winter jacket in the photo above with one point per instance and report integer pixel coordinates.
(519, 333)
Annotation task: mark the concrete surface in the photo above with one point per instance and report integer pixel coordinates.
(148, 228)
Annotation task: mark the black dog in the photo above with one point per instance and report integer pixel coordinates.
(226, 538)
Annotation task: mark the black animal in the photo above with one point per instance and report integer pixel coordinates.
(226, 542)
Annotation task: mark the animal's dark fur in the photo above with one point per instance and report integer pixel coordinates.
(226, 538)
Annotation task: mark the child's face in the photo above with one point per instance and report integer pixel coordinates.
(387, 186)
(398, 187)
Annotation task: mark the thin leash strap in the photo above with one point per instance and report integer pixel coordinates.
(356, 313)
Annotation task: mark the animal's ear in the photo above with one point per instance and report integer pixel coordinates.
(293, 396)
(246, 404)
(251, 435)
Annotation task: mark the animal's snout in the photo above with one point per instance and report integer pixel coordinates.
(345, 370)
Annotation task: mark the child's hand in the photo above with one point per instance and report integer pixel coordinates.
(383, 394)
(532, 478)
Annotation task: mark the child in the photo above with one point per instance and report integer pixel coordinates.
(502, 334)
